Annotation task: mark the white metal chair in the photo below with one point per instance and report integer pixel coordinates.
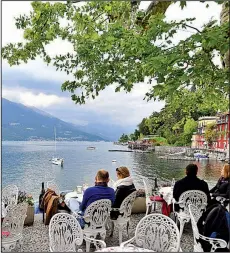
(125, 211)
(53, 186)
(195, 197)
(215, 243)
(95, 217)
(10, 195)
(13, 225)
(156, 232)
(66, 234)
(148, 193)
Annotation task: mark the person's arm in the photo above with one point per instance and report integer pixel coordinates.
(215, 187)
(84, 200)
(118, 198)
(224, 195)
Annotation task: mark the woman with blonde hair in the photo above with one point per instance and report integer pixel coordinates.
(222, 188)
(123, 187)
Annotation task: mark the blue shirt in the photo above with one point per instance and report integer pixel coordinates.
(95, 193)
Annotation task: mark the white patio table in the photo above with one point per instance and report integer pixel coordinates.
(130, 248)
(167, 193)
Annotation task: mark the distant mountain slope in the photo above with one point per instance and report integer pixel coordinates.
(109, 130)
(20, 123)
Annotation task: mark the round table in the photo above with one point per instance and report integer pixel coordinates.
(124, 249)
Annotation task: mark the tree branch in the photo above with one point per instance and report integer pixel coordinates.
(193, 28)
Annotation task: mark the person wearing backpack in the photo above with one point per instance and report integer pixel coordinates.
(214, 223)
(222, 188)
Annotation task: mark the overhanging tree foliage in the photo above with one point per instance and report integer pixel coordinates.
(111, 48)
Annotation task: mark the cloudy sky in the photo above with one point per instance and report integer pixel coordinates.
(35, 84)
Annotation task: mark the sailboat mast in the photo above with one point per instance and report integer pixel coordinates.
(55, 138)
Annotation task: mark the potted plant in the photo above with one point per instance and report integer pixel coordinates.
(24, 197)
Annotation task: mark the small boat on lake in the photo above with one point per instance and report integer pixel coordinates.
(91, 148)
(56, 160)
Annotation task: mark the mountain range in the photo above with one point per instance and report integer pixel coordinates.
(22, 123)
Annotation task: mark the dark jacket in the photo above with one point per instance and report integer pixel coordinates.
(222, 188)
(121, 193)
(190, 183)
(95, 193)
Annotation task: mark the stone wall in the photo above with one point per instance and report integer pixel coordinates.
(169, 149)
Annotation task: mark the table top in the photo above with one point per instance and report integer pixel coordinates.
(129, 248)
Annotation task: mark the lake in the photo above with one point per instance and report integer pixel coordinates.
(27, 164)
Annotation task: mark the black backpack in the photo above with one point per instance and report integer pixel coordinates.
(214, 220)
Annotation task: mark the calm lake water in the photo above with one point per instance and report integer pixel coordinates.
(27, 164)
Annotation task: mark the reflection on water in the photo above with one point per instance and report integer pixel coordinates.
(27, 164)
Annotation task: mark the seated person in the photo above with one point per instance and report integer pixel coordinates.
(222, 188)
(123, 187)
(190, 182)
(97, 192)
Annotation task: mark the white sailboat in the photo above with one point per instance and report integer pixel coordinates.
(56, 160)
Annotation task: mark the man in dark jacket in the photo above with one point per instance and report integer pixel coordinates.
(190, 182)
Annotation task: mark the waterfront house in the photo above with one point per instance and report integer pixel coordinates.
(223, 127)
(198, 140)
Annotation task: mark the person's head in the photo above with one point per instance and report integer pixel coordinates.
(102, 176)
(122, 172)
(191, 170)
(226, 171)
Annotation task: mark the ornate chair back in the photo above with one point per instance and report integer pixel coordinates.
(96, 214)
(157, 232)
(10, 195)
(64, 233)
(14, 220)
(126, 206)
(148, 187)
(53, 186)
(195, 197)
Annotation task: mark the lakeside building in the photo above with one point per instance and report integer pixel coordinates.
(223, 127)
